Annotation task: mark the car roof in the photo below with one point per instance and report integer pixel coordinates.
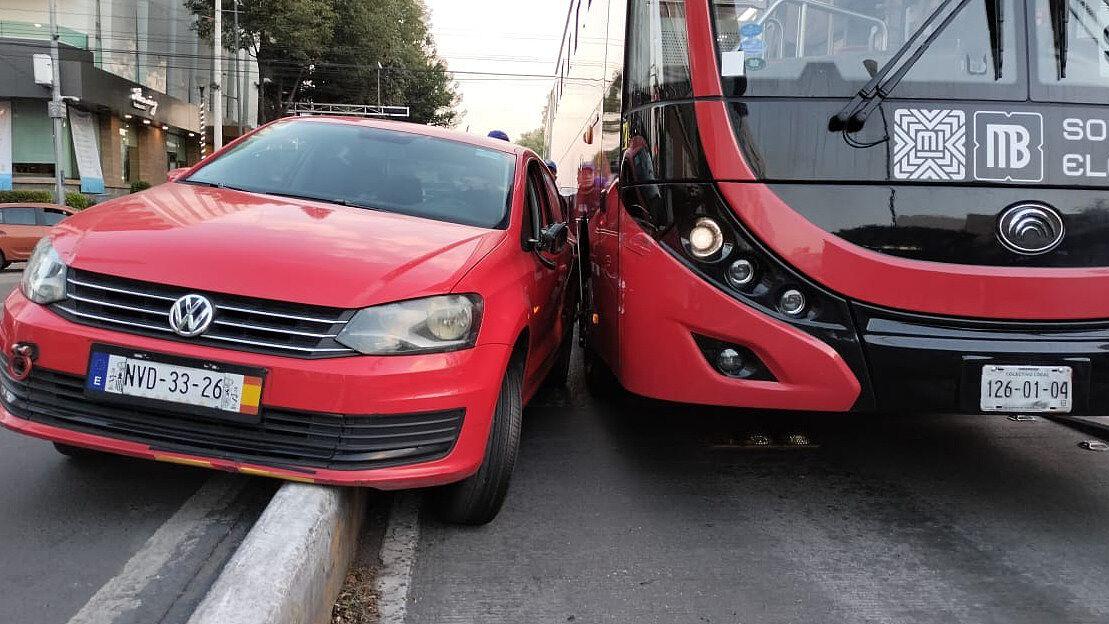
(34, 205)
(414, 128)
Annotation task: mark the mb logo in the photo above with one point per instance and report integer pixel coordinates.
(1008, 147)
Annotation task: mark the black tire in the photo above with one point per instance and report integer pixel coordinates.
(75, 452)
(478, 499)
(4, 261)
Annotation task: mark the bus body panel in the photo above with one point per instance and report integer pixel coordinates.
(664, 305)
(917, 319)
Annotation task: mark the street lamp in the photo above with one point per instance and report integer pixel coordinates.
(379, 68)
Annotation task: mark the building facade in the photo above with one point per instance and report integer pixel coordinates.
(137, 82)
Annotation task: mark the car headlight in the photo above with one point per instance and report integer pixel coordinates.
(429, 325)
(44, 278)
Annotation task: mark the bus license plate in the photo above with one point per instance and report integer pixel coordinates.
(150, 379)
(1027, 388)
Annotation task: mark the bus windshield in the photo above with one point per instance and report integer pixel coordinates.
(818, 48)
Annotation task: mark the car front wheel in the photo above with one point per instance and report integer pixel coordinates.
(478, 499)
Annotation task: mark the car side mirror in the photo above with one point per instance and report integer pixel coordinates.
(176, 174)
(553, 238)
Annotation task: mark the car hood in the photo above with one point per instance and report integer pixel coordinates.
(254, 245)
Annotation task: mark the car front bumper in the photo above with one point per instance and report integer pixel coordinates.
(322, 421)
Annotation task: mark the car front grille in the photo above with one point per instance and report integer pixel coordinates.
(240, 323)
(281, 439)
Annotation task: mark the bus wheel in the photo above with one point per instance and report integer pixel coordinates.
(478, 499)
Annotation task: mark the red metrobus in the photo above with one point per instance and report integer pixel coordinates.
(842, 205)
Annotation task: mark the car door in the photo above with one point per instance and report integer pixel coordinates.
(550, 271)
(21, 232)
(567, 292)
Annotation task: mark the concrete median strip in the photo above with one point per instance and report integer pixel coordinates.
(292, 564)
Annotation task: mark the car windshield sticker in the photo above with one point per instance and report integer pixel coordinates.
(756, 63)
(929, 144)
(750, 29)
(732, 63)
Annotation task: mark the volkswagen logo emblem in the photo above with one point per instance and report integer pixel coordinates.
(190, 315)
(1030, 229)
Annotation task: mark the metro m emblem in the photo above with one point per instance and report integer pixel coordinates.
(1008, 147)
(929, 144)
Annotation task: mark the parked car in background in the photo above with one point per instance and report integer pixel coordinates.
(22, 225)
(330, 300)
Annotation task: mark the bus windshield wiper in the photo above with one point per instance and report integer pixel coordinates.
(852, 117)
(1060, 16)
(995, 19)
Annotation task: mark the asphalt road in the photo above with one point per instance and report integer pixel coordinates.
(645, 513)
(111, 539)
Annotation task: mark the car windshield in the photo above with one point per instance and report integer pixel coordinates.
(384, 170)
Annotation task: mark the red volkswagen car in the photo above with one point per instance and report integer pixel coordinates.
(328, 300)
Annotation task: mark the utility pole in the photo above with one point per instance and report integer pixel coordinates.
(217, 78)
(57, 106)
(379, 68)
(238, 72)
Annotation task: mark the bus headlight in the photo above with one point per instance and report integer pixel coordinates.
(706, 239)
(792, 302)
(695, 225)
(741, 273)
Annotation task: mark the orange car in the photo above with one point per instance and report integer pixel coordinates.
(22, 225)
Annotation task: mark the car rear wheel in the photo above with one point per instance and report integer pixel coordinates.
(4, 263)
(75, 452)
(478, 499)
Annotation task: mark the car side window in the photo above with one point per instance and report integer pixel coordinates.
(19, 216)
(554, 199)
(538, 180)
(531, 207)
(51, 216)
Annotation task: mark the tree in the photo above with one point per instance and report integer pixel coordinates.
(329, 51)
(394, 34)
(286, 36)
(536, 140)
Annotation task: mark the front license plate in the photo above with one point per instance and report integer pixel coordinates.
(117, 373)
(1027, 388)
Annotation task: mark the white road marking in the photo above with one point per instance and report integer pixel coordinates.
(398, 558)
(175, 538)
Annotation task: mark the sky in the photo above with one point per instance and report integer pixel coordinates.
(501, 36)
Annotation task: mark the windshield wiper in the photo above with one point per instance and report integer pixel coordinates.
(1060, 15)
(852, 117)
(995, 19)
(327, 200)
(219, 185)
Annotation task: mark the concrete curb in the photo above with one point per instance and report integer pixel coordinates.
(292, 564)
